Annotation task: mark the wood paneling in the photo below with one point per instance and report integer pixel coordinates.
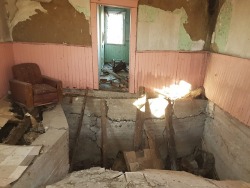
(227, 84)
(74, 66)
(6, 62)
(156, 69)
(71, 64)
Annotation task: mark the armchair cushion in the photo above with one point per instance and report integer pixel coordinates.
(39, 89)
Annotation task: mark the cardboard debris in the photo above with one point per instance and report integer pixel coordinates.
(5, 113)
(148, 158)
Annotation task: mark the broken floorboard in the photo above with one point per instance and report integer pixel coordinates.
(99, 177)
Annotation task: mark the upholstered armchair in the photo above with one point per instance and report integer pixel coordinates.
(30, 88)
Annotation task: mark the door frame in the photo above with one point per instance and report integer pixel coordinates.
(130, 4)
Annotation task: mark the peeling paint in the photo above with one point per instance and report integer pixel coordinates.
(25, 9)
(223, 26)
(147, 14)
(82, 6)
(164, 30)
(11, 8)
(185, 41)
(4, 30)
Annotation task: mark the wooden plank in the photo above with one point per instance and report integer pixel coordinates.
(94, 44)
(104, 132)
(79, 128)
(17, 132)
(138, 134)
(132, 50)
(170, 132)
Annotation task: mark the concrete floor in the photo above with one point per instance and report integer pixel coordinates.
(101, 178)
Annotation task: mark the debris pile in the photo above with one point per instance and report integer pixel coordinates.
(17, 126)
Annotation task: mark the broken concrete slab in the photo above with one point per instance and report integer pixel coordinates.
(121, 127)
(228, 140)
(100, 178)
(188, 133)
(53, 162)
(120, 110)
(55, 119)
(187, 108)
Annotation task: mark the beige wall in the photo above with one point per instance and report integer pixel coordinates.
(4, 30)
(232, 32)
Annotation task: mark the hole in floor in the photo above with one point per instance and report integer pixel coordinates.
(188, 120)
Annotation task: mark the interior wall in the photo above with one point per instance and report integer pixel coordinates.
(71, 64)
(59, 21)
(232, 31)
(4, 29)
(158, 69)
(227, 84)
(6, 62)
(228, 140)
(172, 25)
(116, 51)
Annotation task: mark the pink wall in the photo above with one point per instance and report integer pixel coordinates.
(71, 64)
(155, 69)
(6, 62)
(227, 84)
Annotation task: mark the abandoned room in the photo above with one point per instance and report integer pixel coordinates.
(124, 93)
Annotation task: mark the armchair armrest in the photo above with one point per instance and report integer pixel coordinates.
(54, 83)
(22, 92)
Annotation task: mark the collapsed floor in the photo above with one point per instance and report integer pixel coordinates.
(196, 123)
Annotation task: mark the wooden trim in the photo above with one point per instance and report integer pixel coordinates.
(132, 49)
(94, 27)
(121, 3)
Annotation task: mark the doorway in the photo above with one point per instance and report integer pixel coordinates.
(132, 6)
(113, 47)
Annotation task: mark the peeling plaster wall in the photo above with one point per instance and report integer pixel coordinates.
(82, 6)
(232, 32)
(172, 25)
(60, 21)
(4, 30)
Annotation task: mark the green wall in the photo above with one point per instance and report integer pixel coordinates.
(115, 51)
